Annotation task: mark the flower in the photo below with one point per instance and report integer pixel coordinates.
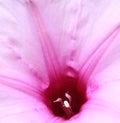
(56, 62)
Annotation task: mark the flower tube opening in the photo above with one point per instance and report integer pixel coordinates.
(66, 99)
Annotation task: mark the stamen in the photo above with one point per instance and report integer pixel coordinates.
(66, 105)
(58, 100)
(68, 97)
(67, 109)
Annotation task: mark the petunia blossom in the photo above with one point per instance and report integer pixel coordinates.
(59, 61)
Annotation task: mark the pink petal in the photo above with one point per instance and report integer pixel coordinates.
(51, 38)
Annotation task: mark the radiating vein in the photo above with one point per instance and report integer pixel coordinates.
(98, 53)
(53, 66)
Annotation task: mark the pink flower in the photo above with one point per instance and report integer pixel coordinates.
(59, 61)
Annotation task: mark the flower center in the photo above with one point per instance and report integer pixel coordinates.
(65, 105)
(65, 97)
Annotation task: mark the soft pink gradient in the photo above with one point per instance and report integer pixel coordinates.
(83, 35)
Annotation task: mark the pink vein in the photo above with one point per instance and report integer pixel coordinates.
(50, 57)
(97, 54)
(20, 86)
